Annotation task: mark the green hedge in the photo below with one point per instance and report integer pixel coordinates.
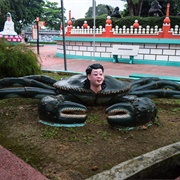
(17, 60)
(129, 20)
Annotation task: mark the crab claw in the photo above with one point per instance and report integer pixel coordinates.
(54, 111)
(134, 111)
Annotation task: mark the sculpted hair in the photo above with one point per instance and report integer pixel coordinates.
(94, 66)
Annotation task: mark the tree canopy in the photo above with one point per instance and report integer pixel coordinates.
(23, 11)
(141, 7)
(137, 8)
(51, 15)
(100, 10)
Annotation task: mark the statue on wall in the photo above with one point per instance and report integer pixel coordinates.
(155, 9)
(8, 26)
(114, 13)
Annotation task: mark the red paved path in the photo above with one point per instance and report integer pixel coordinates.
(50, 61)
(13, 168)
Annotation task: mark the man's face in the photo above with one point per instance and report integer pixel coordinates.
(96, 77)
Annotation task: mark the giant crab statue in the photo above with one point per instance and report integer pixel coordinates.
(63, 103)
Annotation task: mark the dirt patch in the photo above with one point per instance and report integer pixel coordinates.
(78, 153)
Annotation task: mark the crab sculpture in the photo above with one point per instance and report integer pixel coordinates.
(65, 102)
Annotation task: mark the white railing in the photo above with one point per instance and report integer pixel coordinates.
(140, 30)
(176, 30)
(124, 30)
(89, 30)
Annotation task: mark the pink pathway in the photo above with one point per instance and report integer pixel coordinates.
(50, 61)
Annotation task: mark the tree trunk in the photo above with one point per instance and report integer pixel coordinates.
(140, 7)
(134, 9)
(130, 7)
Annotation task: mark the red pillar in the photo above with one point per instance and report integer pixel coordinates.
(166, 25)
(69, 14)
(69, 27)
(108, 28)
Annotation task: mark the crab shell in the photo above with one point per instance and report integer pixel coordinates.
(74, 91)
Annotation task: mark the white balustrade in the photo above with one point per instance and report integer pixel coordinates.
(176, 30)
(151, 31)
(124, 30)
(140, 30)
(120, 30)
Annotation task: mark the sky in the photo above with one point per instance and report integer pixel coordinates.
(80, 7)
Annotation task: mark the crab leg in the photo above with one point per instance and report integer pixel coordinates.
(26, 92)
(42, 78)
(33, 81)
(157, 93)
(155, 87)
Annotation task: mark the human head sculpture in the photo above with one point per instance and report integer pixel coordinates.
(115, 12)
(95, 78)
(116, 9)
(155, 9)
(8, 15)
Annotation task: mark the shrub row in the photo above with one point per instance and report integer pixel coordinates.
(128, 21)
(17, 60)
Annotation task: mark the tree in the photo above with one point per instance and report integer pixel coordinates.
(23, 11)
(4, 7)
(141, 7)
(100, 10)
(174, 6)
(52, 15)
(134, 7)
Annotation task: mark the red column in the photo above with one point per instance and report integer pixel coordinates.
(108, 28)
(69, 27)
(69, 14)
(166, 25)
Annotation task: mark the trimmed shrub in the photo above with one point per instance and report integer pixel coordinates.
(17, 60)
(129, 21)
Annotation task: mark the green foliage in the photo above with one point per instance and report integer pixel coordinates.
(143, 21)
(100, 21)
(100, 10)
(51, 15)
(51, 132)
(4, 9)
(17, 60)
(129, 20)
(174, 7)
(23, 12)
